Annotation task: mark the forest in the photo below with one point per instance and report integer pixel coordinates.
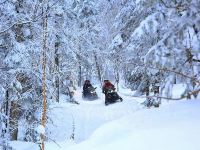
(148, 49)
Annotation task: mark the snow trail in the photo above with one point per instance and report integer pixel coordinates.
(87, 116)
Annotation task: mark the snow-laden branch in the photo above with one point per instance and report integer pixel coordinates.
(167, 6)
(3, 2)
(35, 19)
(178, 6)
(16, 23)
(178, 26)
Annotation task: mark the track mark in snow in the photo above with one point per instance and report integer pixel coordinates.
(88, 116)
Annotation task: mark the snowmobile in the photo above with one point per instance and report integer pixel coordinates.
(150, 101)
(112, 97)
(91, 94)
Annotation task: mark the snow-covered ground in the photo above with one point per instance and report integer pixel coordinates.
(87, 116)
(127, 125)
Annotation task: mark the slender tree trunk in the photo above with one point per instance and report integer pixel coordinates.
(79, 68)
(58, 25)
(79, 75)
(189, 56)
(117, 80)
(7, 112)
(14, 116)
(190, 59)
(117, 64)
(6, 130)
(97, 67)
(57, 79)
(45, 20)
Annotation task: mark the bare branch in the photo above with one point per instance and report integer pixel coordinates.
(179, 73)
(54, 142)
(196, 60)
(168, 98)
(170, 70)
(5, 68)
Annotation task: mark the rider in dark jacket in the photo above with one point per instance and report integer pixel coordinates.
(86, 87)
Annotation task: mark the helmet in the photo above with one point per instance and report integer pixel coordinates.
(87, 81)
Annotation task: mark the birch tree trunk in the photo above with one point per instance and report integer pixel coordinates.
(44, 48)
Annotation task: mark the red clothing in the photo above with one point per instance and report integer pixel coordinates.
(108, 86)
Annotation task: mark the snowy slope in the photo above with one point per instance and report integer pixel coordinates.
(126, 125)
(173, 127)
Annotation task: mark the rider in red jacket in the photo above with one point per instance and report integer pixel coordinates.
(110, 98)
(107, 85)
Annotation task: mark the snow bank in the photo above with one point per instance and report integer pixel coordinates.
(18, 145)
(127, 126)
(173, 127)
